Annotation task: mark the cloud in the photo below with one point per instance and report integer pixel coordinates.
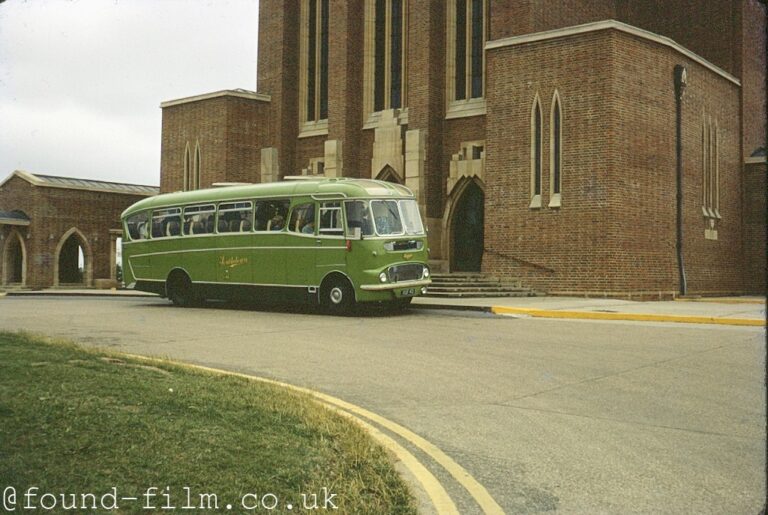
(81, 81)
(69, 140)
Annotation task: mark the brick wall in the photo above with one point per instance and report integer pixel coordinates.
(279, 75)
(345, 75)
(53, 212)
(754, 228)
(753, 78)
(554, 15)
(231, 132)
(515, 17)
(306, 149)
(510, 18)
(707, 28)
(246, 134)
(645, 169)
(203, 121)
(426, 92)
(615, 231)
(570, 248)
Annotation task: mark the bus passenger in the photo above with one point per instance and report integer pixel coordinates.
(276, 224)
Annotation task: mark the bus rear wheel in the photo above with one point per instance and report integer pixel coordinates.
(179, 289)
(337, 295)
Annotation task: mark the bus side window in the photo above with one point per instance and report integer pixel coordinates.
(330, 219)
(358, 215)
(137, 226)
(166, 222)
(271, 214)
(235, 217)
(157, 228)
(302, 219)
(260, 216)
(198, 219)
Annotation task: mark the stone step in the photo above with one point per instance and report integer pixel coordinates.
(478, 286)
(468, 279)
(475, 285)
(479, 294)
(463, 275)
(441, 288)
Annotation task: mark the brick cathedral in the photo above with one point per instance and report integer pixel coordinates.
(583, 146)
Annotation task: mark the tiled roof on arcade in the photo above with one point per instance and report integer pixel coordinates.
(54, 181)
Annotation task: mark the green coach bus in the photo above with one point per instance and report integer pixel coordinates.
(330, 241)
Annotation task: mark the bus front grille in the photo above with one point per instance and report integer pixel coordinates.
(409, 272)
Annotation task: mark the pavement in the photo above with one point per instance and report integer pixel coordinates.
(723, 310)
(745, 310)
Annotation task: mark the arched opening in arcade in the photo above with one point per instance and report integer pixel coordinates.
(73, 260)
(14, 260)
(466, 227)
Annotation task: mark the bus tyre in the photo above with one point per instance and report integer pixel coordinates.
(179, 290)
(337, 295)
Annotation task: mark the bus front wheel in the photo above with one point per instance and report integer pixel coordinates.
(178, 288)
(337, 295)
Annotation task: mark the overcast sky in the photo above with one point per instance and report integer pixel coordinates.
(81, 81)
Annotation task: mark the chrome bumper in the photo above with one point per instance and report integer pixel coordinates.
(396, 286)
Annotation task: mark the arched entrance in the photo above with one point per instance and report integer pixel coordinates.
(466, 228)
(14, 260)
(73, 264)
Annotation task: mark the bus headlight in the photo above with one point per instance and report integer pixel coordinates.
(425, 274)
(383, 277)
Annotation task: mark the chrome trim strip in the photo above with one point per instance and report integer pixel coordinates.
(215, 249)
(254, 284)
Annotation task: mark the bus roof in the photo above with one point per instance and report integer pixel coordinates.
(343, 187)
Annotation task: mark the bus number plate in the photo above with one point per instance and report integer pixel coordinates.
(408, 292)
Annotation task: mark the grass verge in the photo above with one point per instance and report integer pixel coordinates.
(79, 421)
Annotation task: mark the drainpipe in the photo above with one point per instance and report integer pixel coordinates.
(681, 80)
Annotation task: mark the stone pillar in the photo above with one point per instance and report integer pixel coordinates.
(415, 156)
(333, 158)
(388, 144)
(270, 165)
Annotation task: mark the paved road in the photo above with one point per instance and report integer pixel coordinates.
(598, 417)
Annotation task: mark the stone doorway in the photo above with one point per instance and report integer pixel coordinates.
(467, 225)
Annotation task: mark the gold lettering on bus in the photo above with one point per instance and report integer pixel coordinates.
(232, 262)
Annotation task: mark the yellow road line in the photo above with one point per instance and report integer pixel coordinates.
(475, 489)
(636, 317)
(437, 494)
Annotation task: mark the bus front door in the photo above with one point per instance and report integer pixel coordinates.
(330, 243)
